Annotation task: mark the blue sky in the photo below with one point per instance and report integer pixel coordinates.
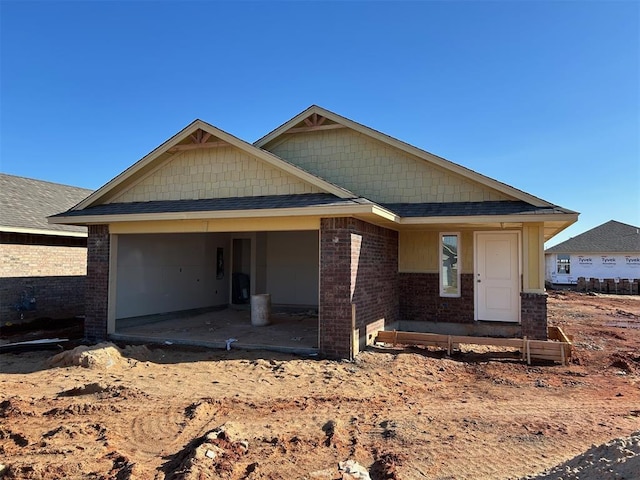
(544, 96)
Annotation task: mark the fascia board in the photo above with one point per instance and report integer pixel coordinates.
(139, 165)
(37, 231)
(531, 218)
(263, 155)
(384, 213)
(276, 132)
(422, 154)
(212, 215)
(439, 161)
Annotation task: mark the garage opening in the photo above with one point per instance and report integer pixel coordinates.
(195, 288)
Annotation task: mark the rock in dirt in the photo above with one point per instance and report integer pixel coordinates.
(102, 355)
(617, 459)
(212, 456)
(347, 470)
(352, 470)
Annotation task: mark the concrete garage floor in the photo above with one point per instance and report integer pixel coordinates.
(287, 332)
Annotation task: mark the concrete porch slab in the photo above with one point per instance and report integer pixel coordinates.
(290, 332)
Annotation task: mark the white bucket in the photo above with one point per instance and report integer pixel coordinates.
(260, 309)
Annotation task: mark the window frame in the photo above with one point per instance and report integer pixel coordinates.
(441, 286)
(564, 262)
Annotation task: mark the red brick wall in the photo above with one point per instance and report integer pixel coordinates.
(358, 265)
(533, 315)
(95, 324)
(420, 299)
(39, 280)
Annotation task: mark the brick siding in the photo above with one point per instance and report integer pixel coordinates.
(95, 324)
(41, 260)
(358, 265)
(40, 280)
(533, 315)
(420, 299)
(28, 298)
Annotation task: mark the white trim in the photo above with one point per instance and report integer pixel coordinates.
(345, 210)
(458, 235)
(113, 284)
(37, 231)
(522, 218)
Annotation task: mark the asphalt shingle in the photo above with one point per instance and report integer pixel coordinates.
(455, 209)
(26, 203)
(214, 204)
(610, 237)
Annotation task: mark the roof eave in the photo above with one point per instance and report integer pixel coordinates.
(40, 231)
(569, 218)
(263, 155)
(319, 211)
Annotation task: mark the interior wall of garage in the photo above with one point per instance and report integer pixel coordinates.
(159, 273)
(292, 268)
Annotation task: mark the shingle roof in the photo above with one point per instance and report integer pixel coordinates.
(26, 203)
(455, 209)
(214, 204)
(311, 200)
(610, 237)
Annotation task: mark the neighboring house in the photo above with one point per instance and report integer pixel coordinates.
(42, 266)
(606, 257)
(321, 212)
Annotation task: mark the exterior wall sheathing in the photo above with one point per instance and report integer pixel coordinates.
(358, 266)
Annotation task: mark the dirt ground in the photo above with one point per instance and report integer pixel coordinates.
(149, 412)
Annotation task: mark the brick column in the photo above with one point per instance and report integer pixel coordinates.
(533, 310)
(97, 296)
(335, 288)
(358, 266)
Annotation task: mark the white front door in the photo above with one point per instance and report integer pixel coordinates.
(497, 277)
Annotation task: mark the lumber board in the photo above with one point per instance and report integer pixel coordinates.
(498, 342)
(553, 346)
(555, 358)
(558, 351)
(407, 337)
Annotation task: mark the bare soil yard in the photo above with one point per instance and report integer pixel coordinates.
(149, 412)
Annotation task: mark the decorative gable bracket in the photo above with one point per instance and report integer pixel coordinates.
(314, 122)
(199, 140)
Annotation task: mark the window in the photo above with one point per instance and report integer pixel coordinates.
(562, 260)
(449, 265)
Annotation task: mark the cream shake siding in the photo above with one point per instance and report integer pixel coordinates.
(214, 173)
(377, 171)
